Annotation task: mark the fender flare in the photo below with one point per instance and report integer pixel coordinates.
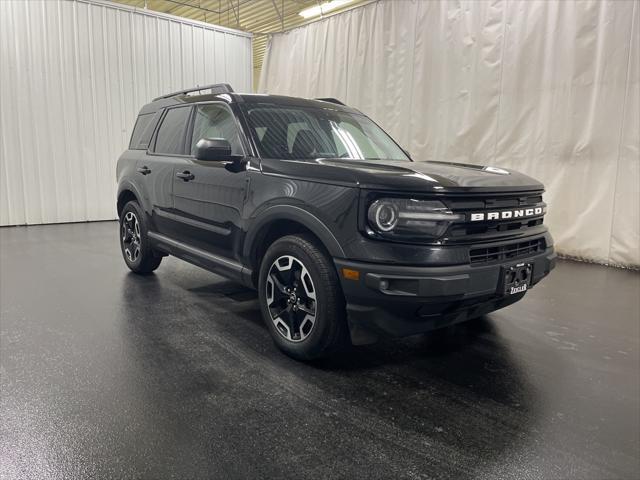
(295, 214)
(131, 187)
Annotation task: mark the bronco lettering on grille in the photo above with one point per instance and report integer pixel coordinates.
(506, 214)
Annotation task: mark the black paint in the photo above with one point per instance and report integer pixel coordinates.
(106, 374)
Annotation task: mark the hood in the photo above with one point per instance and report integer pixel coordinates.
(398, 175)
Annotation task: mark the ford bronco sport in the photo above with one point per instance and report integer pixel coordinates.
(344, 236)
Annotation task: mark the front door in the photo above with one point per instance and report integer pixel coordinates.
(209, 196)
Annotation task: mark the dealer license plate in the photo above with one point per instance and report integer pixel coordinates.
(516, 278)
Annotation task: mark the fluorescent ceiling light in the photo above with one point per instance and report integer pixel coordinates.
(323, 8)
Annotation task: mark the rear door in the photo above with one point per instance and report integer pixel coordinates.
(167, 147)
(209, 196)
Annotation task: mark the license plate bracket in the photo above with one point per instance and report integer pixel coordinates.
(516, 278)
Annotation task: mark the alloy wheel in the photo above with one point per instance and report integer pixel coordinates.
(131, 236)
(291, 298)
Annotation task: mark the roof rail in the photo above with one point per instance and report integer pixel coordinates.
(330, 100)
(215, 89)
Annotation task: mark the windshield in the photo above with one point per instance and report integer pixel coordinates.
(303, 133)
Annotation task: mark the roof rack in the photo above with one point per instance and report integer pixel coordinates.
(215, 89)
(330, 100)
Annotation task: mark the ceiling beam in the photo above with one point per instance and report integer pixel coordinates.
(197, 7)
(217, 12)
(234, 11)
(280, 14)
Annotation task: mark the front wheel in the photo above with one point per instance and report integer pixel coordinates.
(301, 299)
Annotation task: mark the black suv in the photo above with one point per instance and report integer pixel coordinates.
(344, 236)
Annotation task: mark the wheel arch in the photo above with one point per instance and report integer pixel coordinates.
(280, 221)
(126, 193)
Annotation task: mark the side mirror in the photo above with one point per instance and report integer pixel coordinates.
(213, 150)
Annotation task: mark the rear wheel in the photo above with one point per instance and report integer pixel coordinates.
(301, 299)
(134, 243)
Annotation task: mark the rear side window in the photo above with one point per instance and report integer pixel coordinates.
(142, 132)
(171, 134)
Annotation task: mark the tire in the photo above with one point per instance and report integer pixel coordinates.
(301, 299)
(134, 242)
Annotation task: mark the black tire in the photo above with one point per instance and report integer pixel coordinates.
(328, 333)
(134, 242)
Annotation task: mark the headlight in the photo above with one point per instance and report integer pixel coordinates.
(384, 215)
(406, 217)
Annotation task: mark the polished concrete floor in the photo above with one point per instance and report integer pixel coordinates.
(105, 374)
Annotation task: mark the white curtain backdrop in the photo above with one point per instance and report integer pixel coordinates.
(548, 88)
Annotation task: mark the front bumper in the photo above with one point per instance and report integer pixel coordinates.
(396, 301)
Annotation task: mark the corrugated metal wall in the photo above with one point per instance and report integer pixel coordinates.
(73, 75)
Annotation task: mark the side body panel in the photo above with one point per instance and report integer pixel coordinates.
(127, 177)
(209, 207)
(329, 211)
(157, 185)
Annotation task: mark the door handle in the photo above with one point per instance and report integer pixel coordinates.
(144, 170)
(186, 175)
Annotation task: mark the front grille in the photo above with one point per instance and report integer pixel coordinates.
(510, 251)
(477, 231)
(490, 229)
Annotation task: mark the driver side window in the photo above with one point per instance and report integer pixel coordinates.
(215, 121)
